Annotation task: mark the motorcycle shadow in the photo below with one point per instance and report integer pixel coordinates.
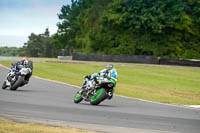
(100, 105)
(18, 90)
(27, 90)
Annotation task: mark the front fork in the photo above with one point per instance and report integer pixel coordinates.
(87, 94)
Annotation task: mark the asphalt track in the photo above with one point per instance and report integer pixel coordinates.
(52, 102)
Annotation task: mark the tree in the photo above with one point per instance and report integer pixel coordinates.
(38, 46)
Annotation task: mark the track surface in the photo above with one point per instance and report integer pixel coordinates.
(54, 101)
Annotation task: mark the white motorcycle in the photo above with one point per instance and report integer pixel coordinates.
(17, 78)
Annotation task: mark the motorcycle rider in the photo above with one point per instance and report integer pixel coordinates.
(109, 72)
(24, 63)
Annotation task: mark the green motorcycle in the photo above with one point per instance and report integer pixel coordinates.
(95, 93)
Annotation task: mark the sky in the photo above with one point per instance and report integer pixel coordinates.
(20, 18)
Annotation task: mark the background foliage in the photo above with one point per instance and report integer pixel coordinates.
(9, 51)
(169, 28)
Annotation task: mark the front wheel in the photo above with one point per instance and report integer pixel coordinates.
(18, 83)
(4, 86)
(99, 97)
(78, 97)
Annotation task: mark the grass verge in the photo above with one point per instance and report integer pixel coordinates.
(7, 126)
(166, 85)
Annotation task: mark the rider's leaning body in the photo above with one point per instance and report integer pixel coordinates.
(109, 73)
(25, 62)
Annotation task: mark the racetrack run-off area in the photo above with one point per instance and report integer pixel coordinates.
(52, 102)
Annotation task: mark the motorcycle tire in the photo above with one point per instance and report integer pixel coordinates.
(17, 84)
(99, 97)
(4, 86)
(78, 98)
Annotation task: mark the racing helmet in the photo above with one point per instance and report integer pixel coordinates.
(26, 59)
(109, 67)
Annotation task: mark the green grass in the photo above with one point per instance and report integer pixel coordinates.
(7, 126)
(167, 85)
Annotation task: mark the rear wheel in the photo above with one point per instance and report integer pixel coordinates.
(4, 86)
(17, 84)
(78, 97)
(99, 97)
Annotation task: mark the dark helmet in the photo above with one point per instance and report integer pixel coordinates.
(26, 60)
(109, 67)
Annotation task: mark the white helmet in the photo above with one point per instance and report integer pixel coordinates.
(109, 67)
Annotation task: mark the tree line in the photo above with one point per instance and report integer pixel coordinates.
(164, 28)
(9, 51)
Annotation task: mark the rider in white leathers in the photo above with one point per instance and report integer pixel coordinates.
(25, 62)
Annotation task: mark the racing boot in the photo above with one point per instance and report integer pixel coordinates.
(110, 95)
